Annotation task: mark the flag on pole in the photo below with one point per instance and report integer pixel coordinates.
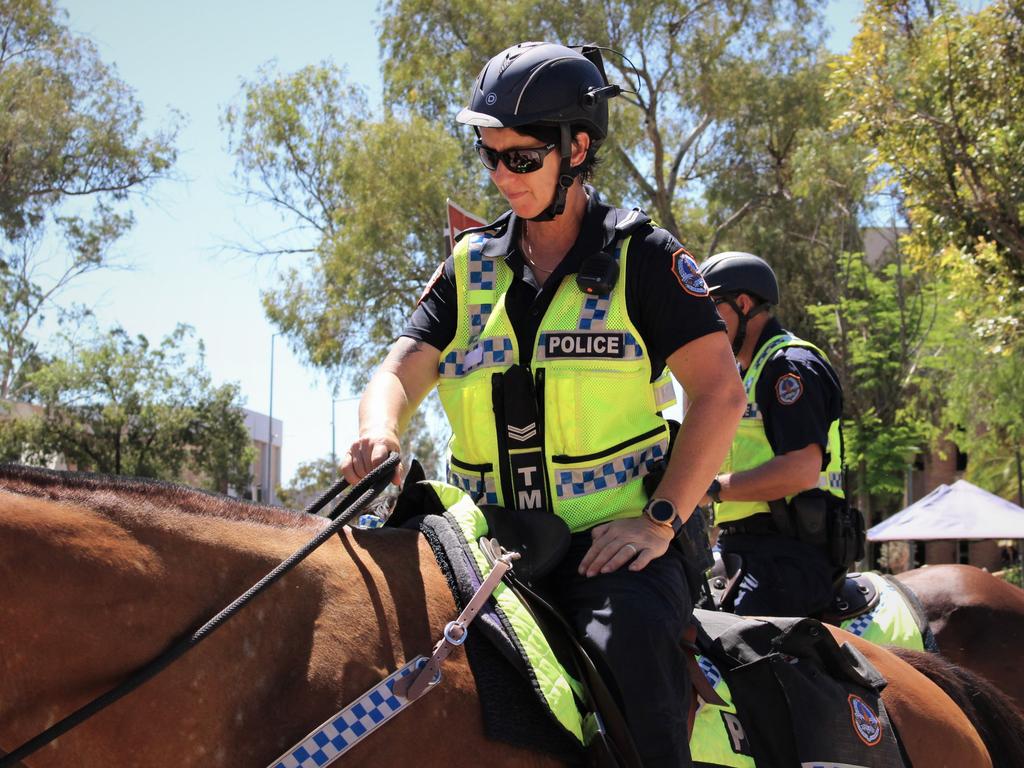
(459, 220)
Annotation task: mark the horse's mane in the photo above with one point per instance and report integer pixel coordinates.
(119, 492)
(991, 712)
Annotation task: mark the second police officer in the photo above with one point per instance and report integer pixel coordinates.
(779, 497)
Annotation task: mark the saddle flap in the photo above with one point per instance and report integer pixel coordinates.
(540, 538)
(857, 595)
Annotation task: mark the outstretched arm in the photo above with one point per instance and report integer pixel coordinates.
(781, 476)
(406, 376)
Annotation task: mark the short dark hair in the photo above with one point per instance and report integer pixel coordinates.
(550, 134)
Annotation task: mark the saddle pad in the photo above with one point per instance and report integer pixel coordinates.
(515, 689)
(891, 621)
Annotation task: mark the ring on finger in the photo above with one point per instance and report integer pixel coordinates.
(636, 550)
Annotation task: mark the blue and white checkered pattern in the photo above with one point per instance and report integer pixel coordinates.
(609, 474)
(594, 313)
(632, 350)
(493, 351)
(481, 489)
(370, 521)
(478, 316)
(335, 737)
(860, 625)
(710, 670)
(481, 269)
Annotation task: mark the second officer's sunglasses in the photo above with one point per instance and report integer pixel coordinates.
(516, 160)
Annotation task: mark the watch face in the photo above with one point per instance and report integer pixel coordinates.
(661, 511)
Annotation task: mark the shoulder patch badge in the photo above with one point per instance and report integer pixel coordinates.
(865, 721)
(430, 283)
(685, 269)
(788, 388)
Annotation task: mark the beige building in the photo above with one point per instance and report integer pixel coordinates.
(266, 440)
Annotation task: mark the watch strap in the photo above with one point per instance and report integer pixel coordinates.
(714, 491)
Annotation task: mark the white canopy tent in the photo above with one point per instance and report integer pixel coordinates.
(957, 511)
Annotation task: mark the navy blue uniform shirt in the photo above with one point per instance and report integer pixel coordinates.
(667, 311)
(798, 395)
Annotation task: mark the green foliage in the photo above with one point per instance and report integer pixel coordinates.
(311, 480)
(119, 405)
(368, 198)
(985, 354)
(939, 93)
(69, 130)
(1013, 576)
(880, 337)
(795, 192)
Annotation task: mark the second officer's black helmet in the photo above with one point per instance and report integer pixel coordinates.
(542, 84)
(734, 272)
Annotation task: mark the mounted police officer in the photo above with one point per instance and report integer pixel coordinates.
(779, 497)
(550, 335)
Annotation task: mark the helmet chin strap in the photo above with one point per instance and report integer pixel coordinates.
(566, 177)
(741, 328)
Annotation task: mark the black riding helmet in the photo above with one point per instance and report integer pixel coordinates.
(731, 273)
(545, 84)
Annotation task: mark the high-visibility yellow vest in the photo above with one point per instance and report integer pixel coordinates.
(750, 447)
(599, 428)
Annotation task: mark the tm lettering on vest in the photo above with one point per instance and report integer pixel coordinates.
(528, 479)
(583, 344)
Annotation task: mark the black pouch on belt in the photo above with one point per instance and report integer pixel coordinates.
(810, 517)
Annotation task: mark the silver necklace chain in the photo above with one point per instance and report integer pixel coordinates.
(526, 248)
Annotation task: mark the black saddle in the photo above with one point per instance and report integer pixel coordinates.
(856, 596)
(540, 538)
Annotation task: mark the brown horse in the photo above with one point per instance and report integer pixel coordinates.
(98, 575)
(977, 620)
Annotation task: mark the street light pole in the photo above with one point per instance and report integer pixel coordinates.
(270, 427)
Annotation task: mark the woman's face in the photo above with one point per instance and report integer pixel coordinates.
(528, 193)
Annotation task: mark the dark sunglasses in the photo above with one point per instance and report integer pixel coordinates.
(516, 160)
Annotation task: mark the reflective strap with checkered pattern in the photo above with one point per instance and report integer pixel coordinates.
(580, 481)
(342, 731)
(481, 488)
(488, 352)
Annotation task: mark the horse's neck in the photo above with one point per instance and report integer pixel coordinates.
(95, 594)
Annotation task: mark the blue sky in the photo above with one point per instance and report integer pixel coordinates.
(192, 56)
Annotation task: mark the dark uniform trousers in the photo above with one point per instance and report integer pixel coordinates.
(632, 623)
(782, 576)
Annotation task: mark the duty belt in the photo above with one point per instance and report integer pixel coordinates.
(755, 525)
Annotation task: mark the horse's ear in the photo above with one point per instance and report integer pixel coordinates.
(416, 498)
